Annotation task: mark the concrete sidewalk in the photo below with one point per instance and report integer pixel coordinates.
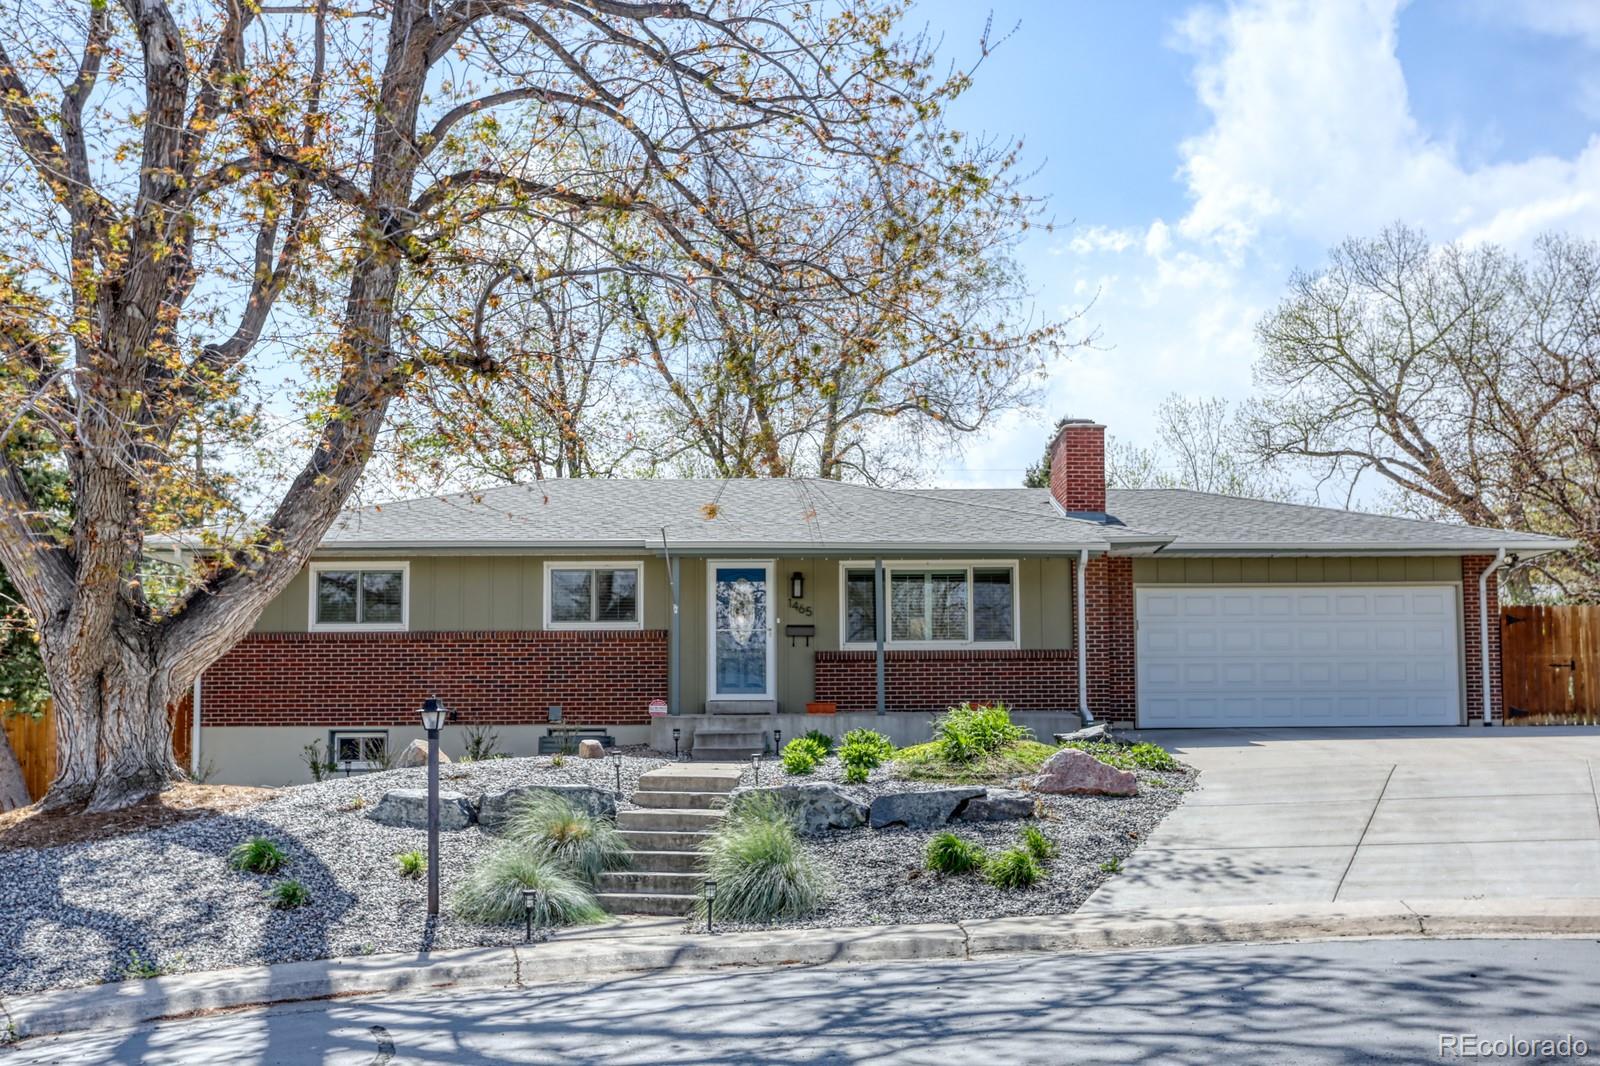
(569, 959)
(1323, 816)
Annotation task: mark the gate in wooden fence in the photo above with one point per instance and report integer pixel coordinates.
(34, 741)
(1550, 661)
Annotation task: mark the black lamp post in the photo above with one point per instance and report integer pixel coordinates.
(616, 761)
(755, 766)
(433, 717)
(676, 733)
(711, 899)
(777, 741)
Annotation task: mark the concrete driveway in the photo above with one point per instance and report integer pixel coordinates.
(1301, 815)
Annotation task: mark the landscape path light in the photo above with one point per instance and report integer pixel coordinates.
(433, 718)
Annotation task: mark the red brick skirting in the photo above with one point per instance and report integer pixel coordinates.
(933, 680)
(603, 677)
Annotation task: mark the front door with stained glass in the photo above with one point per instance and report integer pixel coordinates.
(742, 627)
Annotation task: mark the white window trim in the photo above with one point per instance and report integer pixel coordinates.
(773, 622)
(360, 627)
(364, 765)
(889, 566)
(635, 565)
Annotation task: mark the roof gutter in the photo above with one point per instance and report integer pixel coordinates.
(1484, 685)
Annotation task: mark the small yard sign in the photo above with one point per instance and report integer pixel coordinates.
(658, 708)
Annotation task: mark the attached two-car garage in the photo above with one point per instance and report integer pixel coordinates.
(1286, 655)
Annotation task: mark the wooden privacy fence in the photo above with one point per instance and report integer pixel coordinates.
(34, 741)
(1550, 661)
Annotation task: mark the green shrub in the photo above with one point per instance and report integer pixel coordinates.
(818, 736)
(1041, 847)
(258, 855)
(761, 870)
(586, 846)
(802, 754)
(287, 895)
(966, 733)
(1111, 866)
(1013, 868)
(1141, 756)
(320, 766)
(926, 762)
(413, 864)
(479, 742)
(492, 892)
(949, 854)
(862, 751)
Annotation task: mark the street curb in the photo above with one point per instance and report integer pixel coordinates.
(130, 1003)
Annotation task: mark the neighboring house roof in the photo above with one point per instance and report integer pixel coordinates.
(1208, 523)
(792, 515)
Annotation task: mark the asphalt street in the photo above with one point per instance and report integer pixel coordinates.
(1336, 1002)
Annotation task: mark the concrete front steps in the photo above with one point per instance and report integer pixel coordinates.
(726, 737)
(679, 805)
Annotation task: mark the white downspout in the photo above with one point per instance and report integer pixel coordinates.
(1483, 636)
(1083, 649)
(194, 738)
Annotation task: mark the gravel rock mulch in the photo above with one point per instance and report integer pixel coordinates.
(165, 900)
(876, 876)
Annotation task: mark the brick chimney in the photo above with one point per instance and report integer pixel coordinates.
(1078, 466)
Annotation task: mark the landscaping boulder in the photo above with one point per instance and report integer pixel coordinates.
(1093, 732)
(816, 806)
(591, 749)
(997, 805)
(919, 810)
(1077, 773)
(407, 808)
(416, 754)
(494, 808)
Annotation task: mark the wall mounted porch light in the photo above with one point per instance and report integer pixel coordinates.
(797, 586)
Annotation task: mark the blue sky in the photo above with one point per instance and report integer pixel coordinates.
(1196, 153)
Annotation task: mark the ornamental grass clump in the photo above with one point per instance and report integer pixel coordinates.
(492, 892)
(258, 855)
(412, 864)
(802, 755)
(1037, 844)
(950, 854)
(1013, 868)
(1141, 756)
(287, 895)
(968, 733)
(862, 751)
(762, 872)
(584, 845)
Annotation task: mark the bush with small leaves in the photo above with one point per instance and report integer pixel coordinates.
(1111, 866)
(258, 855)
(1041, 847)
(412, 864)
(949, 854)
(801, 755)
(287, 895)
(1013, 868)
(862, 751)
(584, 845)
(492, 892)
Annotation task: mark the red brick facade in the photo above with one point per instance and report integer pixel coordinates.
(933, 680)
(1110, 638)
(1471, 567)
(1078, 467)
(380, 679)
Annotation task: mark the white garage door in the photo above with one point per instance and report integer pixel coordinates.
(1306, 656)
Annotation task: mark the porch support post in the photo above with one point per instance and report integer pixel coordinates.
(674, 645)
(1081, 639)
(881, 621)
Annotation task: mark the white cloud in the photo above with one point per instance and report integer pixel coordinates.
(1311, 138)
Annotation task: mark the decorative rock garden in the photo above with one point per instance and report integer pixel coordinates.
(168, 900)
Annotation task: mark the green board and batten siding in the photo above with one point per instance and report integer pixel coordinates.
(1382, 570)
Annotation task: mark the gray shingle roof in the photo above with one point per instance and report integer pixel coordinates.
(796, 515)
(1215, 524)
